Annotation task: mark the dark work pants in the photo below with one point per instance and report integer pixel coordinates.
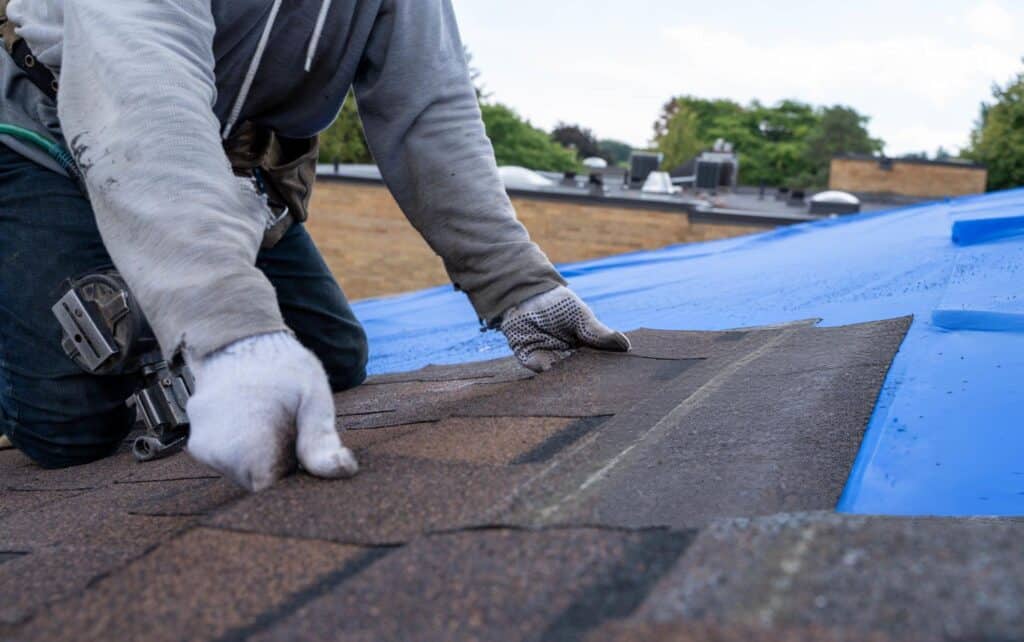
(50, 409)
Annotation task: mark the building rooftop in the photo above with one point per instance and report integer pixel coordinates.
(741, 205)
(756, 469)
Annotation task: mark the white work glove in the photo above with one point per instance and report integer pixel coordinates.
(544, 328)
(260, 404)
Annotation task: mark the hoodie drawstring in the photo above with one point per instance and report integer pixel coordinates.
(250, 75)
(318, 31)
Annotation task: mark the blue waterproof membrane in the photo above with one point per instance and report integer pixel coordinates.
(947, 434)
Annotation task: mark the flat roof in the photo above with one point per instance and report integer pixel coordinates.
(724, 207)
(961, 164)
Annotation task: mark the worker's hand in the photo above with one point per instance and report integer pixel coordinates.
(260, 404)
(543, 329)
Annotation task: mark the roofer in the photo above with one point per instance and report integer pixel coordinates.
(148, 96)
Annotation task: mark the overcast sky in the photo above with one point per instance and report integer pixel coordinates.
(919, 68)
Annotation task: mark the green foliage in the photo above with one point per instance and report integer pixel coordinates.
(788, 144)
(839, 130)
(679, 143)
(344, 142)
(998, 137)
(616, 151)
(517, 142)
(578, 138)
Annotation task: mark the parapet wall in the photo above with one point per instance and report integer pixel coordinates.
(372, 249)
(906, 177)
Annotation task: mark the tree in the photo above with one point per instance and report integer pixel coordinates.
(998, 137)
(616, 151)
(790, 143)
(839, 130)
(578, 138)
(709, 113)
(517, 142)
(344, 141)
(679, 143)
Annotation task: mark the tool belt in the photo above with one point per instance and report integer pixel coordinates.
(283, 169)
(18, 49)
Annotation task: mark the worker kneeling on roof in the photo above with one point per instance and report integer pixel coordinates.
(193, 125)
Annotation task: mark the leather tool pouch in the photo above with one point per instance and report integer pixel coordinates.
(284, 169)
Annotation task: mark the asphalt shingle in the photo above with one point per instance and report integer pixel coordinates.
(616, 497)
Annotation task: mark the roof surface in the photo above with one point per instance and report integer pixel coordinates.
(740, 204)
(945, 438)
(682, 490)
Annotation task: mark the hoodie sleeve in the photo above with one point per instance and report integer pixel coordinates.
(424, 128)
(135, 105)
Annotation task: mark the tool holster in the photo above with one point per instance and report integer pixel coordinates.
(284, 169)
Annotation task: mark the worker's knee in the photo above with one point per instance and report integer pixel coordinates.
(58, 415)
(345, 362)
(62, 444)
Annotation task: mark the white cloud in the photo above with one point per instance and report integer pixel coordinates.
(991, 20)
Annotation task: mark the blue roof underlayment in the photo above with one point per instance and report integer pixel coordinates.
(947, 434)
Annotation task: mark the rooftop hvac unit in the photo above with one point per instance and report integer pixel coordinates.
(709, 175)
(641, 164)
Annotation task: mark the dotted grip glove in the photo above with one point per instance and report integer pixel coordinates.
(544, 328)
(262, 405)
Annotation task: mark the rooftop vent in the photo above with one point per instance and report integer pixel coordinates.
(834, 202)
(516, 177)
(659, 183)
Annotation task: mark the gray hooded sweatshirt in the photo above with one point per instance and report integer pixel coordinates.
(148, 90)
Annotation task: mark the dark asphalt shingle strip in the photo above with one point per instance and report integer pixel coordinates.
(623, 587)
(77, 538)
(495, 585)
(96, 518)
(47, 575)
(674, 344)
(863, 344)
(558, 442)
(192, 501)
(491, 371)
(322, 587)
(474, 440)
(391, 501)
(912, 578)
(730, 336)
(13, 502)
(540, 498)
(21, 474)
(7, 556)
(742, 452)
(589, 384)
(712, 631)
(177, 467)
(740, 442)
(195, 587)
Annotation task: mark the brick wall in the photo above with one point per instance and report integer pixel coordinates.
(372, 249)
(906, 178)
